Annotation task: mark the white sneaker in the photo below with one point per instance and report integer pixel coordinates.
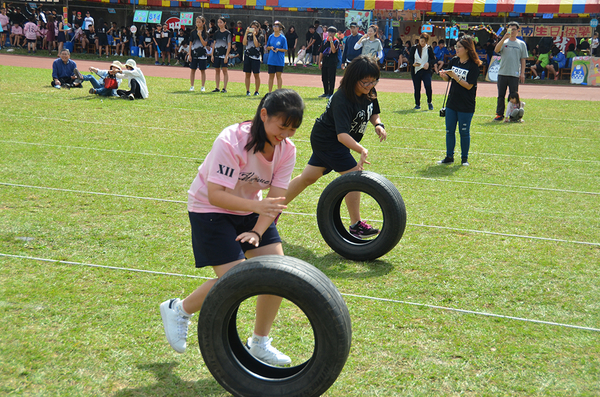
(175, 322)
(192, 88)
(202, 89)
(262, 350)
(403, 65)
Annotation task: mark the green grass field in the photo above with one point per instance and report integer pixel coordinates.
(516, 234)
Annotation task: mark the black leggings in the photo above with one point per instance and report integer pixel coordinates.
(135, 90)
(424, 76)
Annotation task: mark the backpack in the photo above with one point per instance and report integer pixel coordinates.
(111, 83)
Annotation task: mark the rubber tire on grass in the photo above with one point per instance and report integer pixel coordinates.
(302, 284)
(335, 232)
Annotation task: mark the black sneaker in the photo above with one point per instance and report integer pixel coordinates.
(216, 90)
(498, 117)
(247, 93)
(323, 96)
(224, 91)
(464, 161)
(361, 230)
(256, 93)
(446, 160)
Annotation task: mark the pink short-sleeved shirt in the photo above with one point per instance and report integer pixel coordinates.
(243, 173)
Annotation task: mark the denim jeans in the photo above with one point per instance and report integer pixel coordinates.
(464, 128)
(99, 87)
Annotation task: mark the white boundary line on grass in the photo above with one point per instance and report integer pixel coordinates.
(344, 294)
(303, 214)
(493, 133)
(300, 168)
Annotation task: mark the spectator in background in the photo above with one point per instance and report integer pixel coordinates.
(253, 41)
(31, 31)
(63, 29)
(319, 29)
(349, 52)
(595, 45)
(79, 21)
(64, 71)
(310, 43)
(198, 55)
(277, 46)
(137, 82)
(558, 60)
(220, 56)
(328, 60)
(5, 24)
(87, 21)
(292, 39)
(463, 71)
(16, 35)
(370, 44)
(571, 54)
(50, 34)
(542, 64)
(238, 35)
(422, 59)
(512, 65)
(101, 35)
(234, 55)
(146, 43)
(212, 29)
(440, 53)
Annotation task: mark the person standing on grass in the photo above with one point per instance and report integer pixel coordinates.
(339, 130)
(328, 60)
(220, 55)
(197, 56)
(253, 41)
(463, 70)
(513, 53)
(277, 46)
(226, 210)
(422, 59)
(292, 39)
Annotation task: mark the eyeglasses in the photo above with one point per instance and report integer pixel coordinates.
(369, 84)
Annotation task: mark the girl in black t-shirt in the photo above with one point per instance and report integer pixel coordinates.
(339, 130)
(220, 54)
(463, 70)
(197, 57)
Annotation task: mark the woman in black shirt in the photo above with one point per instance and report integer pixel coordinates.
(463, 70)
(292, 39)
(339, 130)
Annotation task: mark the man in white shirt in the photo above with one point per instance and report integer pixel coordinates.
(87, 21)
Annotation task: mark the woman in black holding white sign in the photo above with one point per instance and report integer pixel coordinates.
(463, 70)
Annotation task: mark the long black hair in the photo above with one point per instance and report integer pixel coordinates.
(284, 103)
(361, 67)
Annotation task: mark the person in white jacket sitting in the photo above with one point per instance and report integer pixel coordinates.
(137, 82)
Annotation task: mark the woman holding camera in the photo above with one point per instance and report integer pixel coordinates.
(253, 41)
(197, 56)
(463, 70)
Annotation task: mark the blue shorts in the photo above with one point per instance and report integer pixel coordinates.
(219, 63)
(338, 160)
(275, 69)
(214, 234)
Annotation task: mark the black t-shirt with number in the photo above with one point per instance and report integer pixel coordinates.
(459, 98)
(342, 116)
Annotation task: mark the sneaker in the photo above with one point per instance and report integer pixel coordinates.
(202, 89)
(57, 87)
(404, 65)
(498, 117)
(157, 63)
(175, 322)
(224, 91)
(247, 93)
(430, 106)
(446, 160)
(192, 88)
(361, 229)
(216, 90)
(131, 97)
(262, 350)
(256, 93)
(417, 107)
(323, 96)
(536, 78)
(464, 161)
(397, 70)
(92, 91)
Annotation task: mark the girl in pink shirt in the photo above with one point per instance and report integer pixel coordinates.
(231, 220)
(16, 34)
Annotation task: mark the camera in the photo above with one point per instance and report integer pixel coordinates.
(443, 112)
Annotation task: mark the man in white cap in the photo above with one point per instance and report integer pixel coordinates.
(137, 82)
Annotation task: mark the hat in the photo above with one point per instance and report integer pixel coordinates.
(352, 24)
(78, 12)
(131, 62)
(117, 65)
(332, 29)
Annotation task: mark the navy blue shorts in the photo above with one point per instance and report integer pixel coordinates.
(251, 65)
(275, 69)
(214, 234)
(219, 63)
(338, 160)
(198, 64)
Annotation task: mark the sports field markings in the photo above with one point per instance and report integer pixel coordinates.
(304, 214)
(366, 297)
(494, 133)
